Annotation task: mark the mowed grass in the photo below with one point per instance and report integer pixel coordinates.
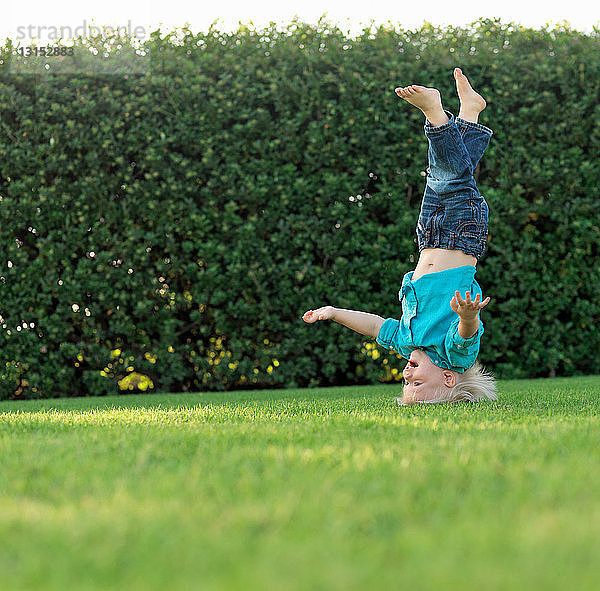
(334, 488)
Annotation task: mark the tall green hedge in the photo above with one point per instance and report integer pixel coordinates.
(165, 223)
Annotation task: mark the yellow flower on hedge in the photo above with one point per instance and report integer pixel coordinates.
(375, 354)
(145, 384)
(170, 349)
(115, 353)
(270, 369)
(135, 380)
(151, 358)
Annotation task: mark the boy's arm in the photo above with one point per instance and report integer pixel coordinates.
(468, 312)
(361, 322)
(467, 328)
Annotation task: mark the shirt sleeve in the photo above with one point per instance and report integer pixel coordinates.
(388, 334)
(462, 352)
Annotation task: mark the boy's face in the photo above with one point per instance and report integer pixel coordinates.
(423, 380)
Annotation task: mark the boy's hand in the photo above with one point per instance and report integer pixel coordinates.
(466, 308)
(324, 313)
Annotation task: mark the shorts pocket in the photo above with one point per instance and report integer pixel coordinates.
(474, 227)
(469, 229)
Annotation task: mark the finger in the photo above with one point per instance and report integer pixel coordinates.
(484, 303)
(477, 299)
(454, 304)
(459, 298)
(468, 298)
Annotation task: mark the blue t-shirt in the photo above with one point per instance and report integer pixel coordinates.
(429, 323)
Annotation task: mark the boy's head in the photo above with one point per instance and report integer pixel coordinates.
(427, 383)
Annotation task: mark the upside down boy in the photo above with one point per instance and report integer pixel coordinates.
(440, 330)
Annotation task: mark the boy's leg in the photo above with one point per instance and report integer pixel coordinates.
(471, 102)
(453, 214)
(448, 158)
(450, 166)
(460, 218)
(476, 137)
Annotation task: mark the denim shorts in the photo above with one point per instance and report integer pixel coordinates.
(453, 213)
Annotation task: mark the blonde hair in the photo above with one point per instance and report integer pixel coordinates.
(475, 383)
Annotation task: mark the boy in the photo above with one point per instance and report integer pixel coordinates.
(440, 330)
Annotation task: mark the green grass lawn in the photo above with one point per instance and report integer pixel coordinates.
(335, 488)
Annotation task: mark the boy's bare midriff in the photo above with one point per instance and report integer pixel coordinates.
(432, 260)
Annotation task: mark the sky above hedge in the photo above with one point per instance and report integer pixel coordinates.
(349, 16)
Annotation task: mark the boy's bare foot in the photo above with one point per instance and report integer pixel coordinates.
(471, 103)
(426, 99)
